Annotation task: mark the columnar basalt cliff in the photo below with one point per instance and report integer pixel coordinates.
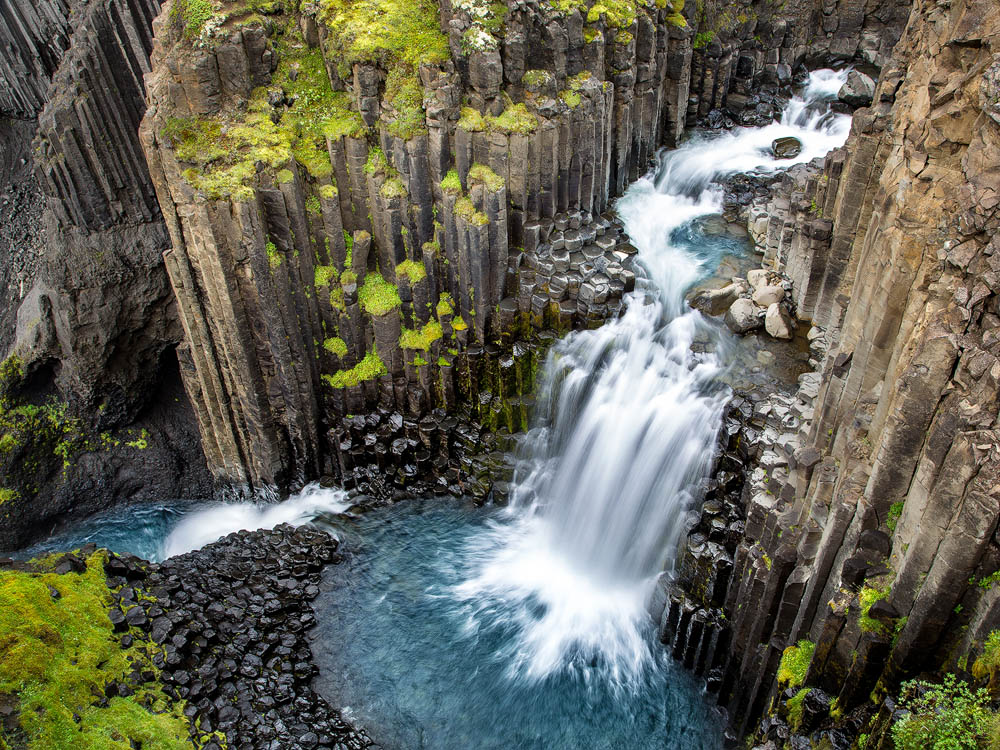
(870, 523)
(354, 219)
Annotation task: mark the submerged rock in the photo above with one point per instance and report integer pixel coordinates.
(787, 147)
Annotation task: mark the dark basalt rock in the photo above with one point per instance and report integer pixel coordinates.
(232, 619)
(787, 147)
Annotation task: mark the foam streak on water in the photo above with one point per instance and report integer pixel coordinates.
(626, 425)
(212, 522)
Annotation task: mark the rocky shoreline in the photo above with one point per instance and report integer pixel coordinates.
(227, 632)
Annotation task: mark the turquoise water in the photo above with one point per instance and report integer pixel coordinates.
(405, 654)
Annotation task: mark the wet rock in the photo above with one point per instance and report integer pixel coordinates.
(743, 316)
(777, 322)
(787, 147)
(857, 90)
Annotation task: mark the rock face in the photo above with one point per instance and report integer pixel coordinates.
(97, 326)
(885, 481)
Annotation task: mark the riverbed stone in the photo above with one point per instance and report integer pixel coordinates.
(743, 316)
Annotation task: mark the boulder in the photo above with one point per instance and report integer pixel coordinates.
(787, 147)
(777, 322)
(743, 316)
(757, 278)
(858, 90)
(765, 296)
(715, 301)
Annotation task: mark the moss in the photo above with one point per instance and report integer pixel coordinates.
(702, 39)
(412, 270)
(443, 362)
(866, 598)
(482, 174)
(472, 121)
(444, 306)
(376, 162)
(451, 183)
(432, 247)
(591, 35)
(895, 511)
(405, 96)
(141, 442)
(349, 244)
(571, 98)
(401, 31)
(368, 368)
(312, 205)
(193, 15)
(536, 78)
(619, 14)
(324, 275)
(58, 653)
(285, 176)
(465, 209)
(795, 707)
(423, 338)
(7, 495)
(393, 188)
(348, 277)
(226, 149)
(459, 324)
(273, 256)
(377, 296)
(328, 192)
(795, 663)
(335, 345)
(516, 119)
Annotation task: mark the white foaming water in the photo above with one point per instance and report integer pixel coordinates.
(626, 426)
(213, 522)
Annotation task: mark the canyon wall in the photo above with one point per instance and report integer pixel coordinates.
(96, 320)
(871, 518)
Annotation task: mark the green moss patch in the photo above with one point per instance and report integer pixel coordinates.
(369, 368)
(479, 173)
(445, 306)
(377, 296)
(324, 276)
(465, 208)
(514, 119)
(412, 270)
(451, 182)
(335, 345)
(795, 663)
(57, 653)
(225, 150)
(423, 338)
(866, 599)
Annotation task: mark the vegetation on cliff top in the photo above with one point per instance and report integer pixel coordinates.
(947, 715)
(226, 149)
(58, 652)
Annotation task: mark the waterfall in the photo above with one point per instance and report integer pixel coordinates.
(624, 432)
